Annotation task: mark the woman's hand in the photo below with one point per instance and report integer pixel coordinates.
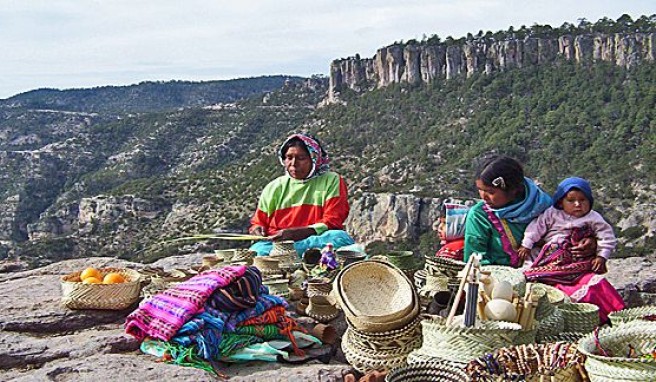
(257, 231)
(599, 265)
(294, 234)
(585, 248)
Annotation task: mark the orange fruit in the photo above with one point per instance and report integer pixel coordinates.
(91, 280)
(90, 272)
(113, 278)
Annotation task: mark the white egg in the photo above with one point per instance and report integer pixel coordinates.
(488, 284)
(500, 310)
(502, 290)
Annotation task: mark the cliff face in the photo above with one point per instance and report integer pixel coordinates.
(417, 63)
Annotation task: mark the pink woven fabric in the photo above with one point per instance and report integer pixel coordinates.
(163, 314)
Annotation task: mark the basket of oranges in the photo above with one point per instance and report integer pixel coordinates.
(104, 288)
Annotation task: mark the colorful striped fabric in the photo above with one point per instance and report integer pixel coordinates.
(162, 315)
(320, 203)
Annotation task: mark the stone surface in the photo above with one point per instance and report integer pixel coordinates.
(412, 63)
(40, 340)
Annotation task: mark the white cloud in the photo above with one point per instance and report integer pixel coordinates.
(82, 43)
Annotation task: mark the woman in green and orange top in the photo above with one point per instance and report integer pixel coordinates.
(308, 204)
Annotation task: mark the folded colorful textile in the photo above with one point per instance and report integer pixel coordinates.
(205, 330)
(163, 314)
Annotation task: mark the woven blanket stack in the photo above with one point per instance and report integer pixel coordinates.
(212, 316)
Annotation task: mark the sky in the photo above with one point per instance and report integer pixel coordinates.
(87, 43)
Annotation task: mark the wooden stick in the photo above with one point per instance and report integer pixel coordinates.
(482, 300)
(456, 301)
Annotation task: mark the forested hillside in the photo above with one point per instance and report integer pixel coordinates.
(79, 184)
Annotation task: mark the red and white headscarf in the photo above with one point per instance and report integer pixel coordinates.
(320, 159)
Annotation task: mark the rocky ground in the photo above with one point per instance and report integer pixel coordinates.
(40, 340)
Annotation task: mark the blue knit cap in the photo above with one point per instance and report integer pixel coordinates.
(570, 184)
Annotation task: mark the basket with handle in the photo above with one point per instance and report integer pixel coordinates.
(631, 314)
(606, 350)
(76, 295)
(580, 317)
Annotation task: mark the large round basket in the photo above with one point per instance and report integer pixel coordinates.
(556, 362)
(427, 372)
(504, 273)
(616, 366)
(376, 292)
(631, 314)
(388, 340)
(76, 295)
(459, 344)
(580, 317)
(363, 359)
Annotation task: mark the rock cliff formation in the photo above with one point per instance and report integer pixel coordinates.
(423, 63)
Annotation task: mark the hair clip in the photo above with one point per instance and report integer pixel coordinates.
(499, 183)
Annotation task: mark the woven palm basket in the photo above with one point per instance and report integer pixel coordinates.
(427, 372)
(388, 340)
(443, 265)
(460, 344)
(616, 366)
(319, 286)
(76, 295)
(555, 362)
(377, 293)
(286, 253)
(545, 307)
(364, 360)
(267, 265)
(550, 326)
(322, 308)
(631, 314)
(580, 317)
(503, 273)
(277, 287)
(570, 337)
(346, 257)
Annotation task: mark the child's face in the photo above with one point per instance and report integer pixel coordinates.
(441, 229)
(575, 204)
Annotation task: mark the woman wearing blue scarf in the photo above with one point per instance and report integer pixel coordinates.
(495, 226)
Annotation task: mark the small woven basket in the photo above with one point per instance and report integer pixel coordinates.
(616, 366)
(286, 253)
(76, 295)
(277, 287)
(631, 314)
(580, 317)
(346, 257)
(438, 265)
(427, 372)
(319, 287)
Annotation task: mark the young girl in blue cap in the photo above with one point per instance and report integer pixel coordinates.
(564, 227)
